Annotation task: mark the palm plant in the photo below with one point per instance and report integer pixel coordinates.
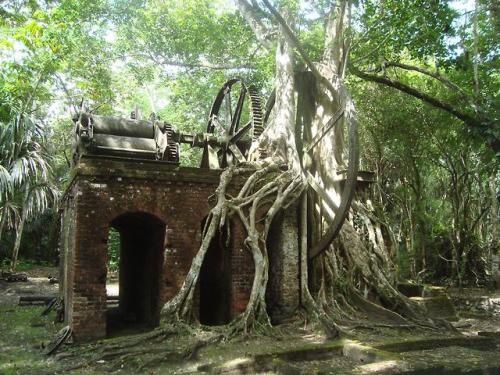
(25, 189)
(5, 188)
(8, 211)
(36, 198)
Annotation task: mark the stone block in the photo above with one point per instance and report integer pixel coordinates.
(438, 307)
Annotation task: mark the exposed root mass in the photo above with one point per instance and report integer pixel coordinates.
(267, 190)
(353, 282)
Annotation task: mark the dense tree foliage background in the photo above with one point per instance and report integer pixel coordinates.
(424, 76)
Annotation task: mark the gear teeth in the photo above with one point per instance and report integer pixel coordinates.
(255, 108)
(172, 149)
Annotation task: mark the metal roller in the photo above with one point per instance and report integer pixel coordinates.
(102, 135)
(124, 143)
(122, 127)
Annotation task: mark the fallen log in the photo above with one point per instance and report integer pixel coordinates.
(45, 299)
(35, 300)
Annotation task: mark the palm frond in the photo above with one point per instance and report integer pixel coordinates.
(5, 182)
(23, 160)
(11, 210)
(40, 197)
(30, 166)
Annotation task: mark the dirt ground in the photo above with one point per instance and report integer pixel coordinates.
(291, 348)
(38, 284)
(479, 310)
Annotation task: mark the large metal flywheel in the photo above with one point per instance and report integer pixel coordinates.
(330, 189)
(235, 123)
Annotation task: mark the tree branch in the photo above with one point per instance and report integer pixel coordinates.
(436, 76)
(252, 15)
(162, 60)
(372, 51)
(469, 120)
(66, 91)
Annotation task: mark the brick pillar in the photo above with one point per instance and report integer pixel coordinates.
(242, 270)
(282, 295)
(87, 315)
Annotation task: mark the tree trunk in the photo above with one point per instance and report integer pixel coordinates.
(2, 226)
(279, 136)
(494, 215)
(421, 235)
(270, 189)
(19, 232)
(475, 50)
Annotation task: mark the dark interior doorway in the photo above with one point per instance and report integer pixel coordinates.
(215, 282)
(140, 265)
(274, 244)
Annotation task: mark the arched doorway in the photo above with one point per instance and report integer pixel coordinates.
(140, 266)
(215, 282)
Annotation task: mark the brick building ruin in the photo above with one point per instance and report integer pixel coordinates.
(127, 176)
(158, 209)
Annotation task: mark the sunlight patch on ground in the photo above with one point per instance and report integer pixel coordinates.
(382, 367)
(237, 362)
(314, 338)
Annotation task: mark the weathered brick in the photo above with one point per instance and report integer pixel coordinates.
(103, 190)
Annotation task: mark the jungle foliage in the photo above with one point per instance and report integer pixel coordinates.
(424, 76)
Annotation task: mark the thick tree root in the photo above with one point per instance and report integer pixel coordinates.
(266, 191)
(192, 351)
(350, 271)
(151, 348)
(358, 282)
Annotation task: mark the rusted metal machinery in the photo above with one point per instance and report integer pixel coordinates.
(101, 135)
(234, 125)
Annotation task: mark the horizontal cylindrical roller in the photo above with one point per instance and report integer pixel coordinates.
(124, 143)
(122, 127)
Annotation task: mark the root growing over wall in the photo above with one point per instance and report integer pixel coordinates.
(355, 283)
(268, 189)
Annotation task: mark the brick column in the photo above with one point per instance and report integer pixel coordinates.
(282, 295)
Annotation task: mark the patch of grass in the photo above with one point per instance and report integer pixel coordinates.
(23, 331)
(290, 349)
(25, 264)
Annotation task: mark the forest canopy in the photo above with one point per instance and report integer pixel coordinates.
(423, 74)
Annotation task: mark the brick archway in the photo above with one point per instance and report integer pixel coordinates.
(105, 189)
(142, 237)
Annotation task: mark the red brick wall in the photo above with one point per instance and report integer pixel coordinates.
(99, 194)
